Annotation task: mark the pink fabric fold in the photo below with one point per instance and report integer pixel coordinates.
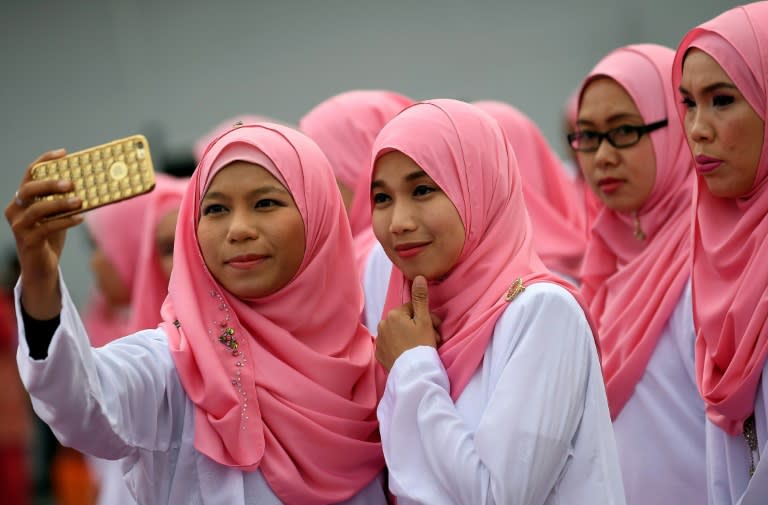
(125, 232)
(465, 151)
(632, 286)
(556, 210)
(297, 398)
(345, 126)
(730, 235)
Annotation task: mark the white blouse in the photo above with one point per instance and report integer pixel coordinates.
(531, 427)
(125, 401)
(660, 431)
(728, 481)
(112, 488)
(375, 282)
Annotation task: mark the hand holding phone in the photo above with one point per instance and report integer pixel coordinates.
(54, 190)
(101, 175)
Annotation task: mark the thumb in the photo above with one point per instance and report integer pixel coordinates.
(420, 299)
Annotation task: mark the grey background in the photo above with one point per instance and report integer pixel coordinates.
(78, 73)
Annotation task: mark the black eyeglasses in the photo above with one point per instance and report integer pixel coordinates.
(588, 141)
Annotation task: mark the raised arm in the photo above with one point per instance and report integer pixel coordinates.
(39, 244)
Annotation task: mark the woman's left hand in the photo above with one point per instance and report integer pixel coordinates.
(407, 326)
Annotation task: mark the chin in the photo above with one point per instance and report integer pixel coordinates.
(720, 190)
(430, 275)
(249, 292)
(622, 207)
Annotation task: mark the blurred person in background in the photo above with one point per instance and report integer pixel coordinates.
(132, 263)
(636, 271)
(345, 126)
(553, 202)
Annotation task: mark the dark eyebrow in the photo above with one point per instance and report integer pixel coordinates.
(264, 190)
(612, 119)
(712, 87)
(418, 174)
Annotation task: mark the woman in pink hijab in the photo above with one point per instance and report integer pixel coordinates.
(506, 404)
(636, 270)
(721, 75)
(260, 385)
(555, 208)
(132, 259)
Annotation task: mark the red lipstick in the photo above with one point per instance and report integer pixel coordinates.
(705, 164)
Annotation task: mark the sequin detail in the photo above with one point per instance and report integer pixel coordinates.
(223, 333)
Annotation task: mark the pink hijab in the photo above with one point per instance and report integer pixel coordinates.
(633, 286)
(730, 235)
(285, 384)
(202, 143)
(345, 126)
(555, 209)
(467, 154)
(125, 232)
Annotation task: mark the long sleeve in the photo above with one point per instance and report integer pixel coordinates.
(106, 402)
(534, 383)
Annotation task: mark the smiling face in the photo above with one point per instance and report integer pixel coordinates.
(415, 221)
(251, 233)
(622, 178)
(724, 131)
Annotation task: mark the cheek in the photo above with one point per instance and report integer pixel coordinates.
(380, 223)
(101, 267)
(586, 162)
(450, 226)
(645, 170)
(744, 137)
(109, 280)
(291, 233)
(207, 239)
(734, 136)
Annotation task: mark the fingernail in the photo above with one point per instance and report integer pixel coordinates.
(72, 201)
(63, 184)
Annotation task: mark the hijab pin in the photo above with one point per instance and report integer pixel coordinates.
(515, 289)
(639, 233)
(237, 123)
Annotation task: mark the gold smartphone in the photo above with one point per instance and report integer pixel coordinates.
(102, 174)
